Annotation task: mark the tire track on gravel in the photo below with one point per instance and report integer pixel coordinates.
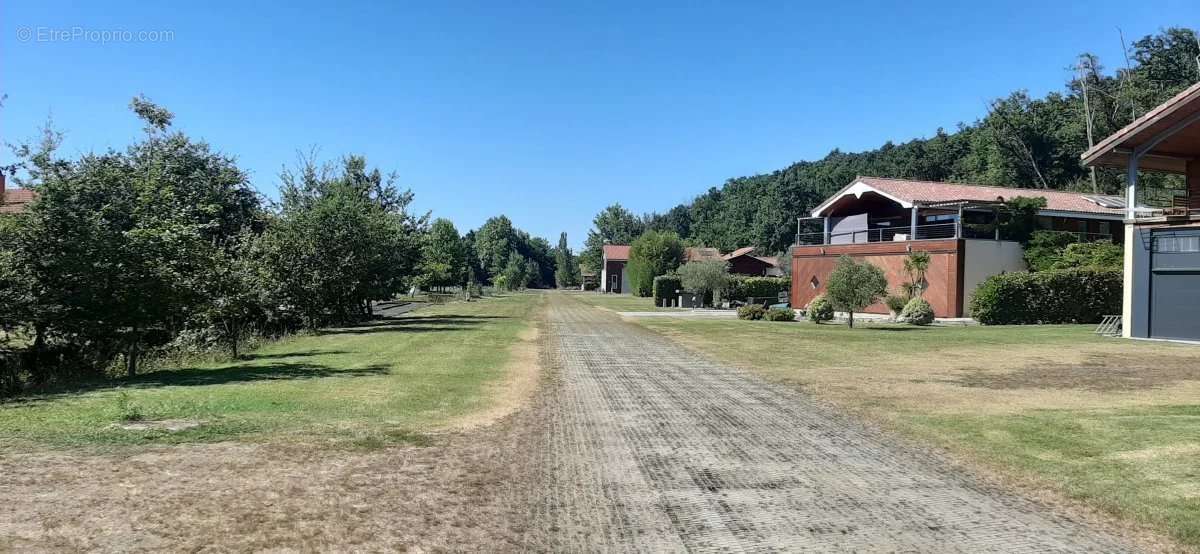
(647, 446)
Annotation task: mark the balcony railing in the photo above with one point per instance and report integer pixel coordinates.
(932, 231)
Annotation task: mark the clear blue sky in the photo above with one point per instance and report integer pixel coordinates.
(546, 111)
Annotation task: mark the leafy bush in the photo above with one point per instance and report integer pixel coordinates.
(854, 285)
(650, 255)
(895, 303)
(780, 314)
(917, 312)
(1055, 296)
(1092, 255)
(665, 287)
(741, 287)
(1045, 247)
(704, 277)
(753, 311)
(820, 309)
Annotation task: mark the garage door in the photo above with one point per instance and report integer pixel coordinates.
(1175, 285)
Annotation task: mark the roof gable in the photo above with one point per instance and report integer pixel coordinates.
(908, 193)
(616, 252)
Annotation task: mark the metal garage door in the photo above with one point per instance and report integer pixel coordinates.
(1175, 285)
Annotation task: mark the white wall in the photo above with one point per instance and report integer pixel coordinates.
(984, 258)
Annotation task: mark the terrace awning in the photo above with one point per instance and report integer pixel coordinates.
(1165, 139)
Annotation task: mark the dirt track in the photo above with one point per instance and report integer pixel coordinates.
(650, 447)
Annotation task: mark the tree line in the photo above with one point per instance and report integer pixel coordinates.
(1021, 142)
(166, 244)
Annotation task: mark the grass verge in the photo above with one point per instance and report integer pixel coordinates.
(379, 383)
(1113, 425)
(619, 302)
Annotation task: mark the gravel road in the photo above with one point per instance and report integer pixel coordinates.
(651, 447)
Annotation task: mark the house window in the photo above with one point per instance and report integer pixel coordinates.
(1177, 244)
(814, 282)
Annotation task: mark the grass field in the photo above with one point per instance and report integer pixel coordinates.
(1110, 423)
(383, 382)
(620, 302)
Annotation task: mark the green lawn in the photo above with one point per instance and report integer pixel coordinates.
(1111, 423)
(387, 381)
(620, 302)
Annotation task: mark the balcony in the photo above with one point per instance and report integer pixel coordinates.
(933, 231)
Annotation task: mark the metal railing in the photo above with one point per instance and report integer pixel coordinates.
(925, 232)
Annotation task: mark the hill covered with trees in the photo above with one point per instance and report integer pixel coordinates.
(1021, 142)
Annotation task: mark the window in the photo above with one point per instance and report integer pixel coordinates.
(1181, 244)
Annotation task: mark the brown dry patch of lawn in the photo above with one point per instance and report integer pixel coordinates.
(523, 373)
(460, 493)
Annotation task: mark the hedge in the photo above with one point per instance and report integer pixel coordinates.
(664, 289)
(780, 314)
(742, 287)
(1057, 296)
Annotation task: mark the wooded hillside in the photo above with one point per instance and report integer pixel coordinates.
(1021, 142)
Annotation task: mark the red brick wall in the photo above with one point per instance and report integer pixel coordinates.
(944, 291)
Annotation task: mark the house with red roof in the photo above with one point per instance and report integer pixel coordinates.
(743, 261)
(14, 201)
(883, 220)
(613, 258)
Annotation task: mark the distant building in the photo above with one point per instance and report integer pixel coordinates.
(743, 262)
(883, 220)
(613, 259)
(14, 200)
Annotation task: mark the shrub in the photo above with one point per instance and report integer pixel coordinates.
(665, 287)
(704, 277)
(1091, 255)
(854, 285)
(742, 287)
(895, 303)
(780, 314)
(752, 311)
(917, 312)
(1055, 296)
(820, 309)
(650, 255)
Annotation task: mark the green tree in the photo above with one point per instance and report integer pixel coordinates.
(650, 255)
(495, 241)
(443, 256)
(854, 285)
(566, 269)
(613, 225)
(704, 277)
(916, 264)
(516, 272)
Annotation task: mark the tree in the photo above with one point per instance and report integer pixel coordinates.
(341, 240)
(516, 272)
(652, 254)
(119, 245)
(613, 225)
(704, 277)
(566, 269)
(494, 242)
(854, 285)
(443, 256)
(916, 264)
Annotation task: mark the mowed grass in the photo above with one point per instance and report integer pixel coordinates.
(381, 382)
(619, 302)
(1112, 423)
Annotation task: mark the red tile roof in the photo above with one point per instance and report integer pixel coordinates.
(701, 254)
(616, 252)
(739, 252)
(15, 200)
(930, 192)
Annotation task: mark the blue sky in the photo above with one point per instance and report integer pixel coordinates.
(545, 111)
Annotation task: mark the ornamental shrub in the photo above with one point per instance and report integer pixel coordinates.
(895, 303)
(742, 287)
(1055, 296)
(820, 310)
(752, 312)
(665, 287)
(780, 314)
(917, 312)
